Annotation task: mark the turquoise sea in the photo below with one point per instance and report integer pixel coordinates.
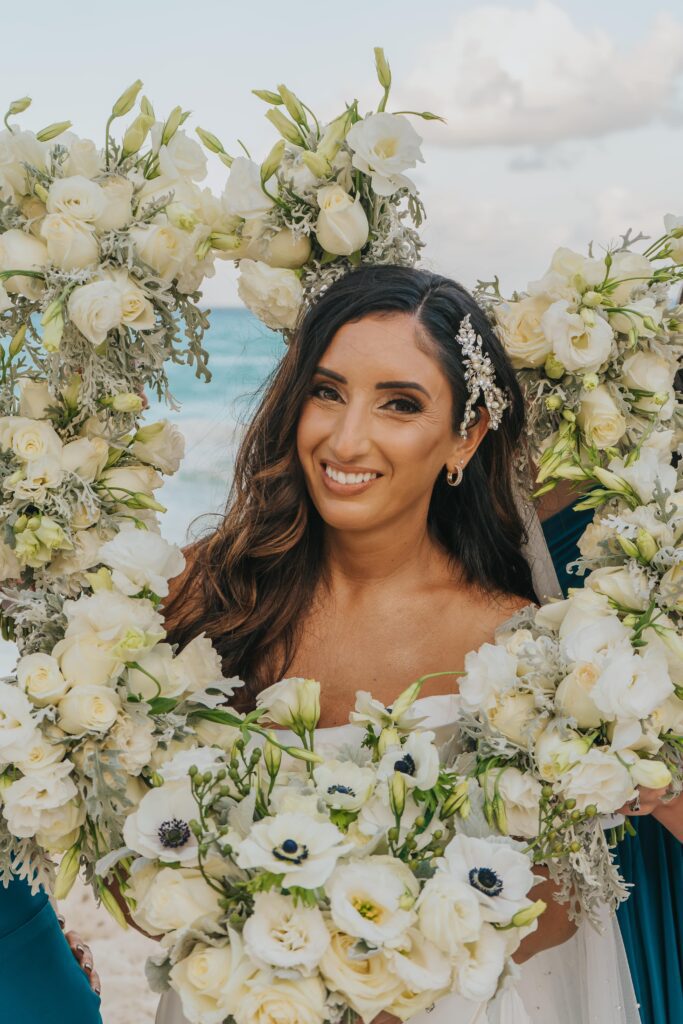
(242, 352)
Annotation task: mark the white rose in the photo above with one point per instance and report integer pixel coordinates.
(176, 898)
(489, 671)
(86, 659)
(578, 346)
(17, 727)
(163, 247)
(281, 934)
(182, 157)
(272, 1000)
(141, 560)
(117, 212)
(368, 985)
(573, 697)
(122, 479)
(672, 223)
(599, 778)
(373, 899)
(521, 795)
(521, 331)
(84, 157)
(343, 784)
(342, 227)
(39, 677)
(285, 249)
(600, 419)
(646, 371)
(29, 439)
(136, 309)
(633, 270)
(27, 801)
(631, 685)
(76, 197)
(96, 308)
(628, 588)
(39, 754)
(19, 251)
(274, 295)
(161, 445)
(243, 195)
(210, 981)
(59, 828)
(88, 708)
(159, 827)
(278, 844)
(86, 456)
(71, 244)
(134, 739)
(513, 715)
(448, 912)
(384, 145)
(478, 969)
(35, 398)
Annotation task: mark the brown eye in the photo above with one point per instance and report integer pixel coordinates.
(407, 406)
(325, 392)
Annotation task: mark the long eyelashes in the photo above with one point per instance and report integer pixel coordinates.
(402, 404)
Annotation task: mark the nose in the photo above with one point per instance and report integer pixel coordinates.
(350, 438)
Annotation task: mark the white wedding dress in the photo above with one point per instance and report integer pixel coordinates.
(584, 981)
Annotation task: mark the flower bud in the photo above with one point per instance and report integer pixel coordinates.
(397, 794)
(126, 100)
(610, 480)
(17, 342)
(309, 704)
(456, 801)
(590, 381)
(651, 774)
(588, 317)
(19, 106)
(52, 333)
(67, 872)
(592, 299)
(388, 738)
(52, 131)
(627, 546)
(553, 403)
(140, 500)
(500, 815)
(333, 136)
(147, 108)
(173, 123)
(528, 914)
(111, 906)
(181, 216)
(41, 192)
(304, 755)
(647, 545)
(293, 105)
(268, 97)
(272, 756)
(223, 242)
(383, 69)
(273, 160)
(100, 580)
(211, 141)
(317, 164)
(126, 401)
(285, 127)
(405, 700)
(553, 368)
(72, 390)
(136, 134)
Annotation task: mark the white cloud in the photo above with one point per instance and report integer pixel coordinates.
(533, 76)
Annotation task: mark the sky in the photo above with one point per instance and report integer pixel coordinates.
(565, 119)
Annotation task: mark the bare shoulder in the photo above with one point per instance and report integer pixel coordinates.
(478, 613)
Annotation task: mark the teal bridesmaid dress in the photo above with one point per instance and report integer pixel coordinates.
(651, 920)
(40, 980)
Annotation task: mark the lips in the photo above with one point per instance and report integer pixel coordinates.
(351, 480)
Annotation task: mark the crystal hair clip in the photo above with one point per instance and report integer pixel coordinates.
(480, 378)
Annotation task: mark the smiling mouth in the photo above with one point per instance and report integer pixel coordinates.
(346, 481)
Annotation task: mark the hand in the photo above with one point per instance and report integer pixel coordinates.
(386, 1018)
(83, 956)
(646, 802)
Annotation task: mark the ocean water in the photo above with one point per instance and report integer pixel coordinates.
(242, 353)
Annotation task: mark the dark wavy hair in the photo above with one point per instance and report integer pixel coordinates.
(249, 583)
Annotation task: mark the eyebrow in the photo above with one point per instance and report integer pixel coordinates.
(384, 385)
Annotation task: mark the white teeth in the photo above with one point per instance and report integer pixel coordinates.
(349, 478)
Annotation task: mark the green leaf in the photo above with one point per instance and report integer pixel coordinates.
(215, 715)
(161, 705)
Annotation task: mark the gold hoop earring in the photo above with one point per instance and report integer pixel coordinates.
(454, 478)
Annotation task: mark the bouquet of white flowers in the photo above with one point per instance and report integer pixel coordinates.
(596, 346)
(328, 197)
(98, 255)
(328, 881)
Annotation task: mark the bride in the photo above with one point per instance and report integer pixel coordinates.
(371, 537)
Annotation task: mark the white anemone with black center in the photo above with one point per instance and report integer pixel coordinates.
(160, 827)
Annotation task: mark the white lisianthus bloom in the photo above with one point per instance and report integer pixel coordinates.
(123, 479)
(88, 708)
(373, 899)
(71, 244)
(35, 398)
(449, 912)
(600, 419)
(117, 211)
(27, 801)
(671, 588)
(134, 739)
(181, 157)
(599, 778)
(628, 589)
(556, 750)
(162, 246)
(576, 272)
(84, 157)
(580, 347)
(583, 608)
(574, 699)
(40, 678)
(368, 985)
(29, 439)
(282, 934)
(634, 319)
(521, 795)
(141, 560)
(646, 371)
(243, 195)
(291, 703)
(343, 784)
(17, 726)
(210, 981)
(60, 827)
(39, 754)
(478, 969)
(489, 671)
(521, 331)
(495, 869)
(273, 294)
(18, 148)
(342, 227)
(86, 457)
(96, 309)
(159, 827)
(155, 668)
(129, 627)
(20, 251)
(384, 145)
(368, 710)
(419, 963)
(272, 1000)
(175, 898)
(632, 270)
(301, 849)
(161, 445)
(652, 466)
(76, 197)
(417, 760)
(176, 766)
(631, 685)
(197, 666)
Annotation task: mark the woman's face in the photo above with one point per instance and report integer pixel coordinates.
(377, 427)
